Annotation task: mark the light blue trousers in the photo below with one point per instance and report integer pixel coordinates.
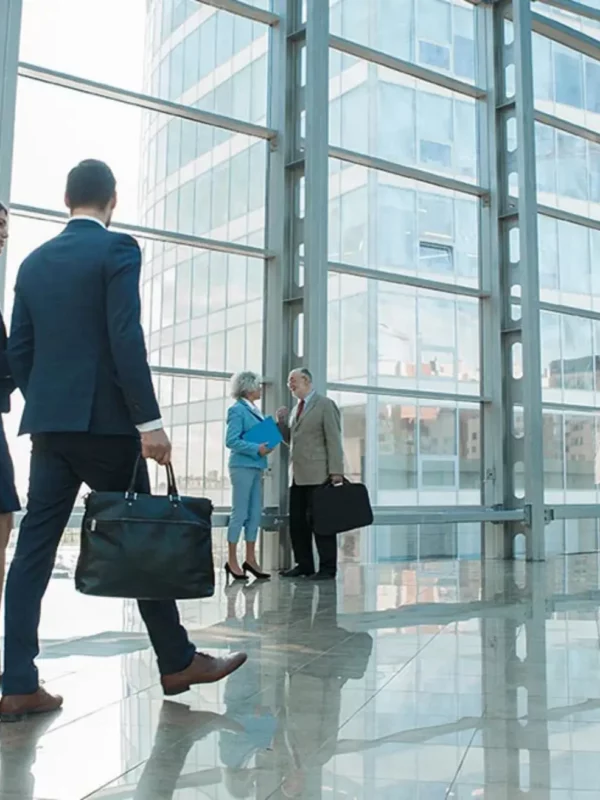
(246, 503)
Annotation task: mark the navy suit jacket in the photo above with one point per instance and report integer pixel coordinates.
(76, 347)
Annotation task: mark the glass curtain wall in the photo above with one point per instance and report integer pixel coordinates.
(207, 113)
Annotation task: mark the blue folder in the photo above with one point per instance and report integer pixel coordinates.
(266, 432)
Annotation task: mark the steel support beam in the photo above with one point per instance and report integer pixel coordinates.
(572, 511)
(316, 176)
(246, 10)
(568, 127)
(386, 391)
(524, 473)
(565, 35)
(10, 30)
(185, 372)
(412, 173)
(574, 7)
(495, 542)
(406, 280)
(443, 516)
(405, 67)
(275, 552)
(567, 216)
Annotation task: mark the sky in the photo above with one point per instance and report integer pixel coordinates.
(56, 128)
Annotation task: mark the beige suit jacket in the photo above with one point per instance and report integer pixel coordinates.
(315, 441)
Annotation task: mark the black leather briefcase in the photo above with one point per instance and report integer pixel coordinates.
(146, 547)
(337, 509)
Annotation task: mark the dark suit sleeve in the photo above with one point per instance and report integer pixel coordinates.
(123, 318)
(19, 351)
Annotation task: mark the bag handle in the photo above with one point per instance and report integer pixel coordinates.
(172, 490)
(330, 483)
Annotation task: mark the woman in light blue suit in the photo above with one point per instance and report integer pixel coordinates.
(247, 463)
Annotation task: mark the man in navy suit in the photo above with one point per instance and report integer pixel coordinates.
(77, 352)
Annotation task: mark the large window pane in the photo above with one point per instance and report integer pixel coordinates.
(390, 335)
(568, 171)
(210, 302)
(181, 69)
(435, 33)
(570, 357)
(425, 452)
(418, 125)
(388, 223)
(219, 196)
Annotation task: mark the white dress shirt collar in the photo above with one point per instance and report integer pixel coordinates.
(252, 407)
(88, 219)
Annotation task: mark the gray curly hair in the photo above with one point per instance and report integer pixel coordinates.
(244, 383)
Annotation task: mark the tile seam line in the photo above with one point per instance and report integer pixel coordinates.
(378, 691)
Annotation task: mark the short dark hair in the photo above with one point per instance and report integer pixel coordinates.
(91, 184)
(3, 208)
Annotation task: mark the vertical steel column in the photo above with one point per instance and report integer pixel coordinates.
(316, 190)
(277, 268)
(533, 440)
(10, 33)
(495, 543)
(519, 276)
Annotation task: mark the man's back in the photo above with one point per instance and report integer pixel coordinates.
(76, 347)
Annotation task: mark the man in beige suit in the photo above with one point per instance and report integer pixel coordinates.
(314, 434)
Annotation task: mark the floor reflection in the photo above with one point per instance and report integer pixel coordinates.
(419, 680)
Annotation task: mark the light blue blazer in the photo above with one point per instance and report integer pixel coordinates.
(240, 419)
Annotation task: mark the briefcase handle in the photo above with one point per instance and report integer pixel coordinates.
(329, 483)
(172, 490)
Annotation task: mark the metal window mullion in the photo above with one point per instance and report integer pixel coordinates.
(411, 173)
(10, 31)
(565, 35)
(574, 7)
(189, 372)
(404, 67)
(383, 276)
(317, 190)
(529, 280)
(566, 216)
(388, 391)
(142, 101)
(241, 9)
(153, 234)
(565, 126)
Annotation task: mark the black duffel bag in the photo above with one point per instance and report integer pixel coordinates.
(146, 547)
(341, 508)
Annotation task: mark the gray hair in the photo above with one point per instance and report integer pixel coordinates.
(244, 383)
(3, 207)
(306, 373)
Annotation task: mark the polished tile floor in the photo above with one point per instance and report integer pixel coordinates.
(406, 681)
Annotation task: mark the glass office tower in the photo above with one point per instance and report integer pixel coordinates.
(350, 186)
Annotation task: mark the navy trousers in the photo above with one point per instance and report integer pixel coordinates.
(60, 464)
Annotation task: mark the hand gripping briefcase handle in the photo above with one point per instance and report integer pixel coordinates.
(172, 491)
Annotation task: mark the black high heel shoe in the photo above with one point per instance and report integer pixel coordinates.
(260, 576)
(231, 574)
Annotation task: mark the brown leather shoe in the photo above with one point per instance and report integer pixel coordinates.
(15, 707)
(203, 669)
